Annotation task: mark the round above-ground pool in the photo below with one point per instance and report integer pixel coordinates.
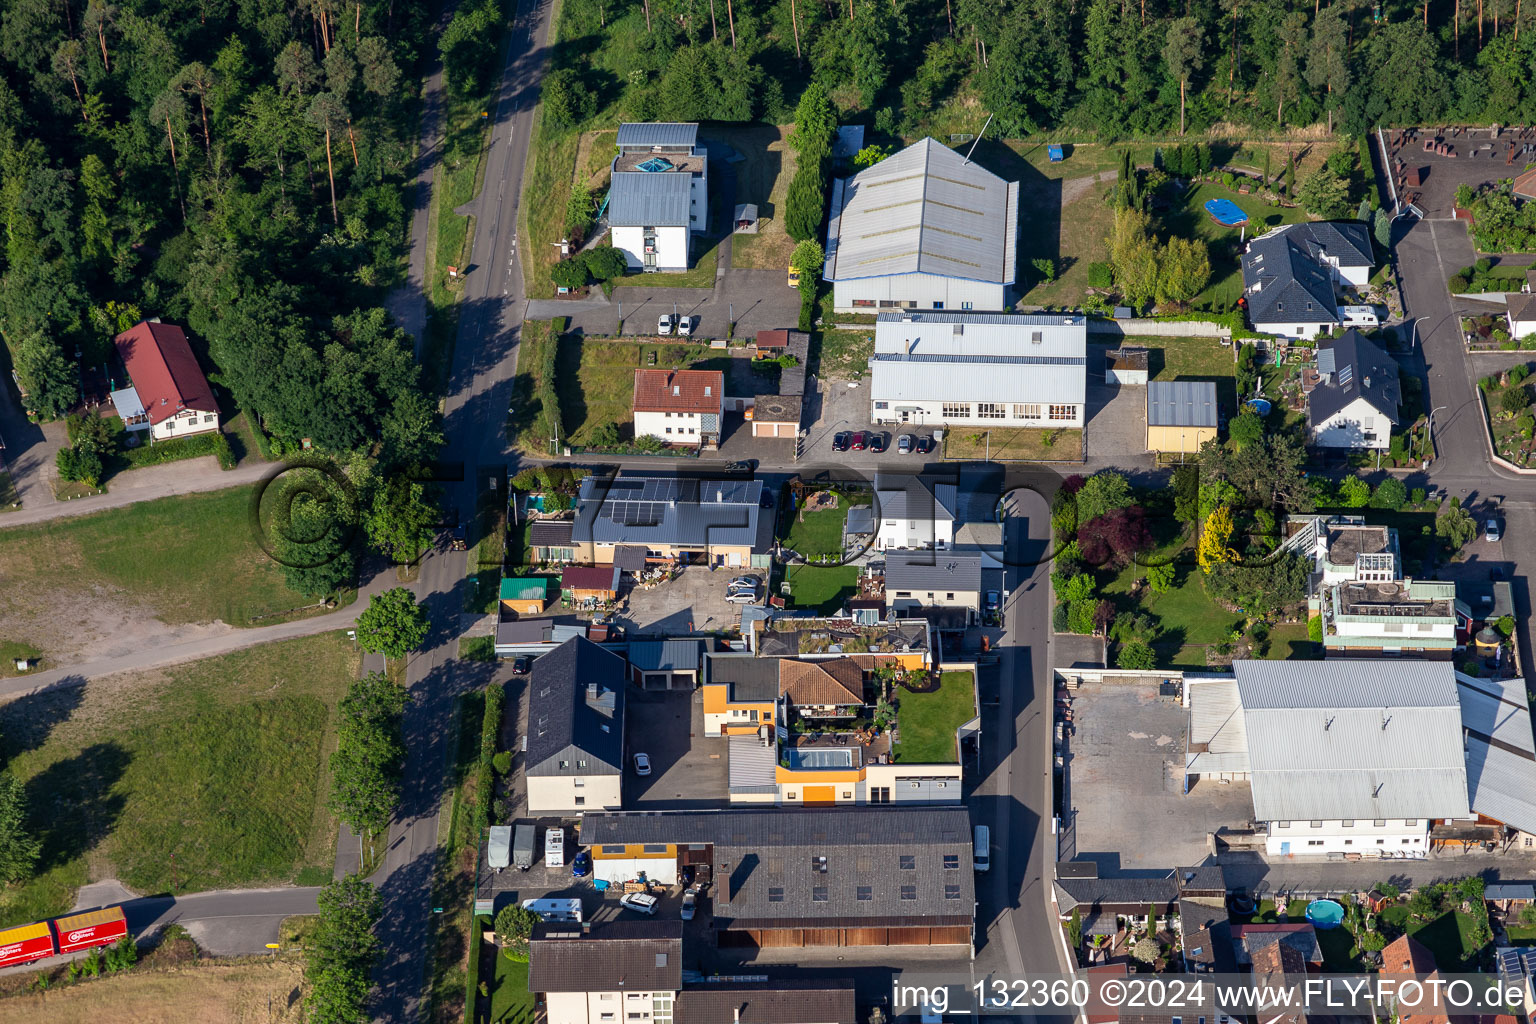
(1258, 405)
(1325, 914)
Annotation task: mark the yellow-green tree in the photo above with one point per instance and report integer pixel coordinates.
(1215, 539)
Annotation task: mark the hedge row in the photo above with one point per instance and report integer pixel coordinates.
(176, 449)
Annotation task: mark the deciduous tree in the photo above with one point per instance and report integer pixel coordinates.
(393, 623)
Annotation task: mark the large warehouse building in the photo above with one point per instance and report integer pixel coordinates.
(984, 369)
(924, 228)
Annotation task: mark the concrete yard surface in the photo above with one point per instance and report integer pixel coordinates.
(1126, 767)
(694, 602)
(688, 769)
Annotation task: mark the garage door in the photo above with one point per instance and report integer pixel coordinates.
(658, 680)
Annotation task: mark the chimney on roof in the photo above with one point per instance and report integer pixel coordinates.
(736, 1013)
(1367, 381)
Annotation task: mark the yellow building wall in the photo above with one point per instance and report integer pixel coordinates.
(718, 712)
(630, 850)
(1178, 439)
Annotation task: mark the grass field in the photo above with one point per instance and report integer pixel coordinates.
(927, 721)
(13, 650)
(818, 533)
(823, 589)
(1189, 617)
(595, 379)
(1015, 444)
(762, 178)
(843, 355)
(547, 186)
(266, 990)
(705, 255)
(1448, 936)
(189, 558)
(207, 775)
(1289, 640)
(510, 999)
(1186, 358)
(527, 425)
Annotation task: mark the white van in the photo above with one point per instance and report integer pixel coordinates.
(981, 848)
(554, 846)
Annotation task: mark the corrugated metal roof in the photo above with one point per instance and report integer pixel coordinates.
(1181, 403)
(1216, 736)
(931, 570)
(924, 210)
(666, 655)
(658, 133)
(751, 763)
(638, 199)
(979, 358)
(1353, 739)
(524, 588)
(1501, 751)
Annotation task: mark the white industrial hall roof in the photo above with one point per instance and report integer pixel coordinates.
(979, 357)
(1353, 739)
(924, 210)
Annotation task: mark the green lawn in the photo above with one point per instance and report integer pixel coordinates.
(927, 721)
(1192, 221)
(595, 379)
(1521, 933)
(511, 1002)
(11, 651)
(1448, 936)
(1014, 444)
(1189, 617)
(207, 775)
(477, 648)
(528, 424)
(762, 178)
(189, 558)
(818, 533)
(700, 275)
(822, 589)
(1186, 358)
(1290, 640)
(843, 355)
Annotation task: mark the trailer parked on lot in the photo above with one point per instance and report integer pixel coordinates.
(523, 846)
(498, 847)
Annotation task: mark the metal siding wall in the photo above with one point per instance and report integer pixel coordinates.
(928, 791)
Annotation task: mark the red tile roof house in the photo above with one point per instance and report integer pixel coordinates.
(168, 394)
(680, 407)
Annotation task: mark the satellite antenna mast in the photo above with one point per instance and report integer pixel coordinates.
(978, 138)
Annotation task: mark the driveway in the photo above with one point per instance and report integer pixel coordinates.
(1115, 423)
(688, 769)
(693, 602)
(29, 452)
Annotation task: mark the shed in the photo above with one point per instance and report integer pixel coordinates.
(590, 582)
(1181, 415)
(524, 595)
(745, 220)
(1056, 153)
(1126, 367)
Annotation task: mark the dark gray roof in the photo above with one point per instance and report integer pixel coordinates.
(1181, 403)
(566, 722)
(1360, 370)
(629, 557)
(642, 199)
(909, 496)
(1299, 935)
(1510, 890)
(931, 570)
(658, 133)
(750, 678)
(637, 956)
(666, 655)
(550, 533)
(636, 508)
(1207, 937)
(1295, 284)
(885, 864)
(767, 1002)
(1116, 892)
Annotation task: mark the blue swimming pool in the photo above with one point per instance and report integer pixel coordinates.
(1258, 405)
(1225, 212)
(1325, 914)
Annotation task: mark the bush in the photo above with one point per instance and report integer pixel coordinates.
(1160, 577)
(1059, 618)
(176, 449)
(1315, 629)
(1418, 496)
(1391, 494)
(1457, 284)
(1482, 266)
(1045, 267)
(1100, 275)
(1136, 654)
(1514, 399)
(502, 762)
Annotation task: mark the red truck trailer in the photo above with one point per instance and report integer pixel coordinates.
(96, 928)
(25, 944)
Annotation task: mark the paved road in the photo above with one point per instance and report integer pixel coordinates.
(1015, 926)
(204, 647)
(484, 361)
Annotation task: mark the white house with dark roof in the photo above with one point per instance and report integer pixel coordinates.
(575, 740)
(658, 196)
(924, 228)
(1355, 403)
(617, 972)
(979, 369)
(919, 580)
(914, 513)
(1292, 274)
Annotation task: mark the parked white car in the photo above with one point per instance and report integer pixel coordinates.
(664, 324)
(642, 764)
(690, 904)
(641, 902)
(685, 326)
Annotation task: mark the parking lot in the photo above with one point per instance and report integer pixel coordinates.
(693, 602)
(1126, 781)
(688, 769)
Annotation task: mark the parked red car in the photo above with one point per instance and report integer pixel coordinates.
(860, 440)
